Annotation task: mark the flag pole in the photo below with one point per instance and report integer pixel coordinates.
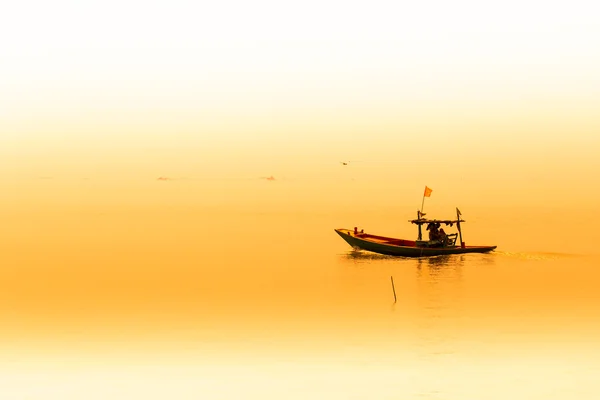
(420, 213)
(425, 193)
(419, 226)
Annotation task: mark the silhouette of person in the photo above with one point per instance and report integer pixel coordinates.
(433, 232)
(442, 234)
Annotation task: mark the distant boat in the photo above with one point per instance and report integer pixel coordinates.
(439, 244)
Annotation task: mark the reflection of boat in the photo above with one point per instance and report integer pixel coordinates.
(414, 248)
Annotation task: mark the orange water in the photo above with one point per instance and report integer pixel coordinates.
(227, 302)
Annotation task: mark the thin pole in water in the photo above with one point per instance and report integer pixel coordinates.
(393, 288)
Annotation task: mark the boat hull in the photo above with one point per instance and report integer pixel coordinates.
(403, 248)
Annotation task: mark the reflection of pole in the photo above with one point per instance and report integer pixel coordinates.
(462, 244)
(393, 288)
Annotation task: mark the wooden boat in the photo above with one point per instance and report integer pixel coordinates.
(413, 248)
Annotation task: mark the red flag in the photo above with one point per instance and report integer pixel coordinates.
(427, 192)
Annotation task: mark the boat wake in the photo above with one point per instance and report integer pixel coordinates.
(536, 256)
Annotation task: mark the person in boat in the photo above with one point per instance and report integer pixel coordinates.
(433, 232)
(442, 235)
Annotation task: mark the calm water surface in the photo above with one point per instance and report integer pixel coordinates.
(197, 303)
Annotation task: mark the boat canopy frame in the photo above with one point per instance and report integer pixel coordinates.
(423, 221)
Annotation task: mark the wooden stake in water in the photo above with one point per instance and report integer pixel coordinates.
(393, 288)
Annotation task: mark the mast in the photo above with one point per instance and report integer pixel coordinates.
(458, 214)
(419, 225)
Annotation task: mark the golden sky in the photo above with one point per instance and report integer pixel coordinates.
(477, 98)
